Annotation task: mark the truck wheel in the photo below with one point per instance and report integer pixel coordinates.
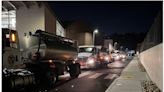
(51, 79)
(74, 70)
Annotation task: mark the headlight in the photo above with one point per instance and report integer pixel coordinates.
(106, 58)
(50, 61)
(91, 61)
(117, 57)
(75, 59)
(123, 56)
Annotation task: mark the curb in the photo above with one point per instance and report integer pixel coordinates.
(111, 86)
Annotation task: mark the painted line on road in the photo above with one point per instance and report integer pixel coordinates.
(96, 75)
(81, 75)
(110, 76)
(65, 75)
(84, 74)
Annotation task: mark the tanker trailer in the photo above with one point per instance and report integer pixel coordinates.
(50, 56)
(45, 56)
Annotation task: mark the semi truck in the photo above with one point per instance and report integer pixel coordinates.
(44, 58)
(90, 56)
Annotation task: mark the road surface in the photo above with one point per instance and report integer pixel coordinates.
(95, 80)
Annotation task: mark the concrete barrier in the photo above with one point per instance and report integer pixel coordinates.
(152, 60)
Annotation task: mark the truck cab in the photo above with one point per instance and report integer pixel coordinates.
(10, 49)
(88, 56)
(14, 74)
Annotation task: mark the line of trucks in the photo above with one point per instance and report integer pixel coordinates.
(44, 58)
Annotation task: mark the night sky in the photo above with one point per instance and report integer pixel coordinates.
(109, 16)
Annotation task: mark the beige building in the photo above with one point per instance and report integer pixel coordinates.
(80, 31)
(108, 43)
(29, 16)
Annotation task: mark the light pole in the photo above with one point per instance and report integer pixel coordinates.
(94, 32)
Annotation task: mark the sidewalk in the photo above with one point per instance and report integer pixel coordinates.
(130, 79)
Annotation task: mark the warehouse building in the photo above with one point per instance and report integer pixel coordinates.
(28, 16)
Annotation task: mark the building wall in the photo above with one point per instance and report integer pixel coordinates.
(108, 43)
(81, 32)
(50, 21)
(60, 30)
(83, 38)
(29, 20)
(79, 37)
(88, 38)
(152, 61)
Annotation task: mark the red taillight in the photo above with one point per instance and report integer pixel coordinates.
(101, 57)
(82, 63)
(52, 66)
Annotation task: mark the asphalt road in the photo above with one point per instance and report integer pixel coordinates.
(96, 80)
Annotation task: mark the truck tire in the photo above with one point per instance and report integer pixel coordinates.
(50, 79)
(74, 70)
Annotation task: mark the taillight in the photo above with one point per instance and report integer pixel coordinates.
(101, 57)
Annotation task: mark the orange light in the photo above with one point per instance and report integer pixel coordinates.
(13, 37)
(101, 57)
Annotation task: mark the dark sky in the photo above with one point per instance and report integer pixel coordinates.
(110, 16)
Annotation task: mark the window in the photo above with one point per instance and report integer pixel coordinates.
(87, 49)
(9, 19)
(7, 40)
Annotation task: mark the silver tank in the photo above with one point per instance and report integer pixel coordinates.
(50, 46)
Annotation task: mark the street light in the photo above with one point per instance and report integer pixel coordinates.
(94, 32)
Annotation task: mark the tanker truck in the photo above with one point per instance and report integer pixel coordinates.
(44, 58)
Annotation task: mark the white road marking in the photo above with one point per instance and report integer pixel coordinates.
(81, 75)
(110, 76)
(84, 74)
(96, 75)
(65, 75)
